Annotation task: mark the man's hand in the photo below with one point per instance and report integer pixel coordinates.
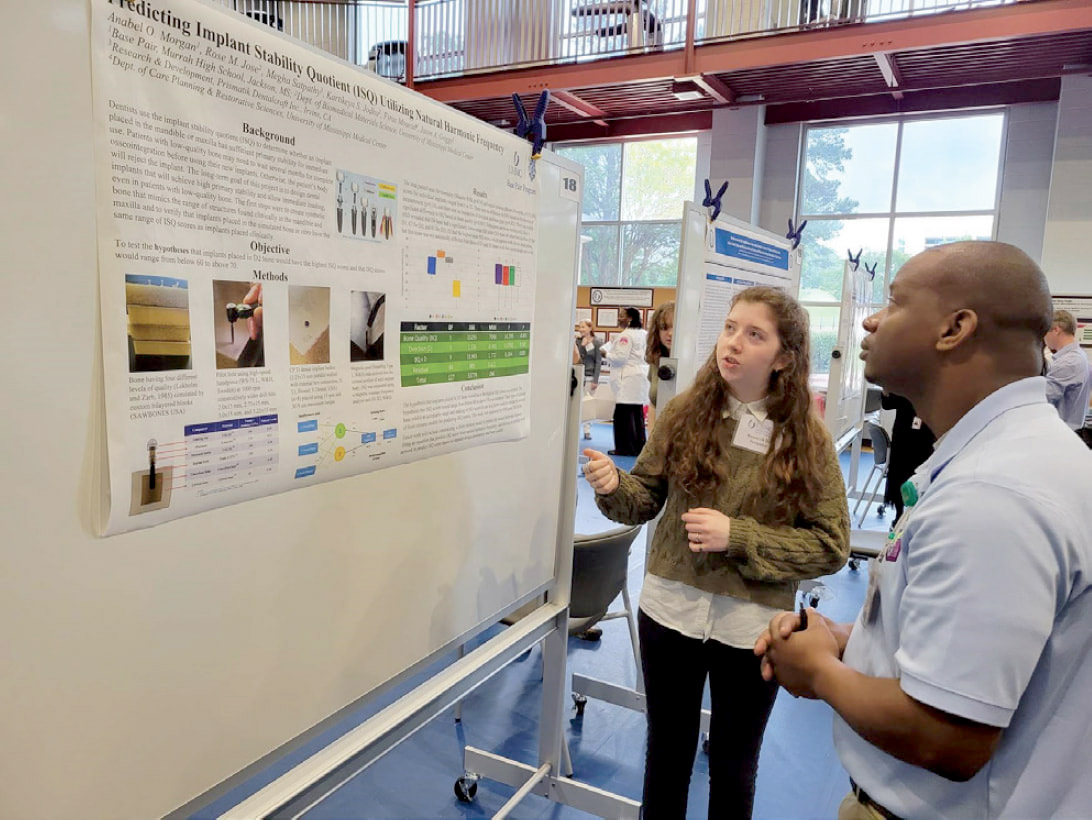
(707, 530)
(798, 659)
(601, 473)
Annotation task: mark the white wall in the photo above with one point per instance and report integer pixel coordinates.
(1066, 242)
(737, 152)
(780, 176)
(1025, 184)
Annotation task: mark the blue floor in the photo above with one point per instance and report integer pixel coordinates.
(799, 774)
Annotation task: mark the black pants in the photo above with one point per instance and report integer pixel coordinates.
(675, 668)
(629, 429)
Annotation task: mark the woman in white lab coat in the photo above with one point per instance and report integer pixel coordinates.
(629, 381)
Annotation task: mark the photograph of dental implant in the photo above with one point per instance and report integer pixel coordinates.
(367, 324)
(237, 324)
(364, 207)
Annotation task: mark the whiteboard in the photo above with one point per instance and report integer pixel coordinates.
(147, 667)
(846, 385)
(716, 261)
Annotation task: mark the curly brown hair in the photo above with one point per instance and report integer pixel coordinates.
(663, 317)
(794, 465)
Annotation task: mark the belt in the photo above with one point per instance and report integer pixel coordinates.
(865, 800)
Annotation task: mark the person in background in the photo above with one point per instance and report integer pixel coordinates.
(630, 384)
(911, 443)
(660, 330)
(962, 689)
(753, 501)
(589, 351)
(1068, 380)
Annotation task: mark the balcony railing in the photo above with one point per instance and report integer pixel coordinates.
(458, 37)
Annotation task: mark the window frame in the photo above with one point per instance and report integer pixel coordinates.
(620, 224)
(892, 215)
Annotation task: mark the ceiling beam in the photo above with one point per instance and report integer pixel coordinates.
(914, 100)
(632, 127)
(714, 86)
(890, 70)
(616, 71)
(566, 99)
(1012, 21)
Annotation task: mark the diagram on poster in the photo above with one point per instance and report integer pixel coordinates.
(302, 267)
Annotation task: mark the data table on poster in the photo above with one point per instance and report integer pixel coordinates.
(437, 352)
(230, 450)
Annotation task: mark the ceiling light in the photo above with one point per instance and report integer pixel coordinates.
(686, 90)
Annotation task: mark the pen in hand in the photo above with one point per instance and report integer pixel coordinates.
(800, 627)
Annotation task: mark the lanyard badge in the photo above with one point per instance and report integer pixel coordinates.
(890, 554)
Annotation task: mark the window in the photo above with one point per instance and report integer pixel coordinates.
(890, 189)
(632, 210)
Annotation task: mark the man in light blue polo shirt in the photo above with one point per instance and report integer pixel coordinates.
(1069, 379)
(964, 688)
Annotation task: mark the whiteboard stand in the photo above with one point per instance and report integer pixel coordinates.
(846, 387)
(543, 779)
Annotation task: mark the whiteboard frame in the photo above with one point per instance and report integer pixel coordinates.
(143, 647)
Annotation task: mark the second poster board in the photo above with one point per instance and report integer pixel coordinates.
(718, 260)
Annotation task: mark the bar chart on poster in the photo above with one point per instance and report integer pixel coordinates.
(465, 283)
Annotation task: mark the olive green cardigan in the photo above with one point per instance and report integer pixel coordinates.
(763, 562)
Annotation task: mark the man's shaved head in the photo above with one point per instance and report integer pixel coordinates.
(959, 314)
(999, 282)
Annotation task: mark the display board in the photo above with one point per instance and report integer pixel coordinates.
(846, 384)
(1081, 308)
(717, 260)
(306, 273)
(150, 665)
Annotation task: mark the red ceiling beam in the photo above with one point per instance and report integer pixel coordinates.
(714, 86)
(584, 108)
(633, 127)
(941, 99)
(614, 71)
(1011, 21)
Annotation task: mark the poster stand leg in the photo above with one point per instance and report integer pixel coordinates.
(544, 779)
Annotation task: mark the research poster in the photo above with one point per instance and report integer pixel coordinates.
(739, 256)
(306, 272)
(1081, 308)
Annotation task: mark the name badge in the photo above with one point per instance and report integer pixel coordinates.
(754, 435)
(915, 424)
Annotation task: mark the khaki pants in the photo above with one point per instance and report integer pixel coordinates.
(853, 809)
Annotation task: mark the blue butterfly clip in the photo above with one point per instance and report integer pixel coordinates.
(872, 270)
(795, 233)
(855, 261)
(713, 202)
(533, 128)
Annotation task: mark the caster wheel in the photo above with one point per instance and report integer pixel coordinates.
(466, 788)
(580, 701)
(705, 743)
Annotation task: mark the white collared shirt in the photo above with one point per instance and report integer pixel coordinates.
(706, 615)
(983, 609)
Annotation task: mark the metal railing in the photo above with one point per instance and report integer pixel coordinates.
(457, 37)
